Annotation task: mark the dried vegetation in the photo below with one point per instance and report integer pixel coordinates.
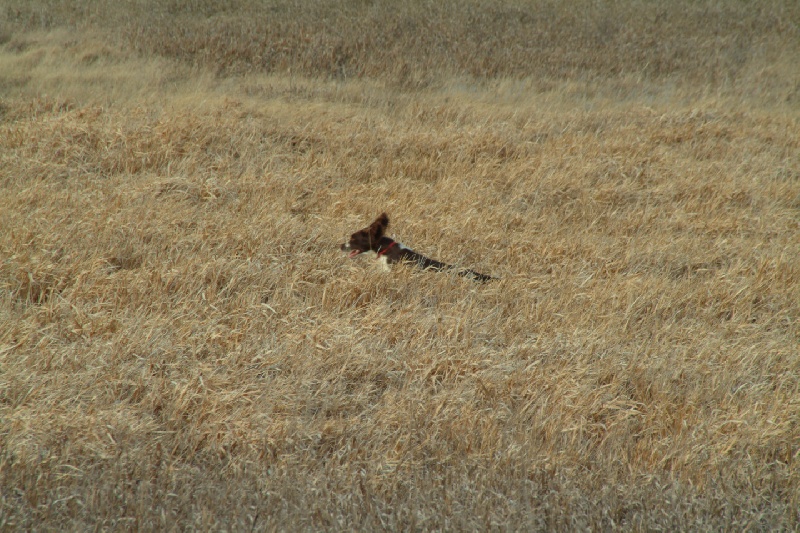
(182, 345)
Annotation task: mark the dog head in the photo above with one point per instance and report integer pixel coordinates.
(368, 238)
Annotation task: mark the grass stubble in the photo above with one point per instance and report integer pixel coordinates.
(182, 345)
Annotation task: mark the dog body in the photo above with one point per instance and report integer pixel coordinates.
(373, 239)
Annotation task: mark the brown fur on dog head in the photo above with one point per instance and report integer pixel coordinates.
(368, 238)
(378, 227)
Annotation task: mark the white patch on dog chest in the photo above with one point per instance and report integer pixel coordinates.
(384, 262)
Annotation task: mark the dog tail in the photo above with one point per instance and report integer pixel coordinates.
(477, 276)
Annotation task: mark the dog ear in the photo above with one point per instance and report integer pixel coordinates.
(384, 220)
(377, 228)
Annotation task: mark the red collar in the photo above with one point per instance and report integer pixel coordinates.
(381, 252)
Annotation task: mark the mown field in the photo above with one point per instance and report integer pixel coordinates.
(184, 346)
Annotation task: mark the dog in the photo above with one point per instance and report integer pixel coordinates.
(373, 239)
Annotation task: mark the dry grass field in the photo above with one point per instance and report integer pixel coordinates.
(183, 345)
